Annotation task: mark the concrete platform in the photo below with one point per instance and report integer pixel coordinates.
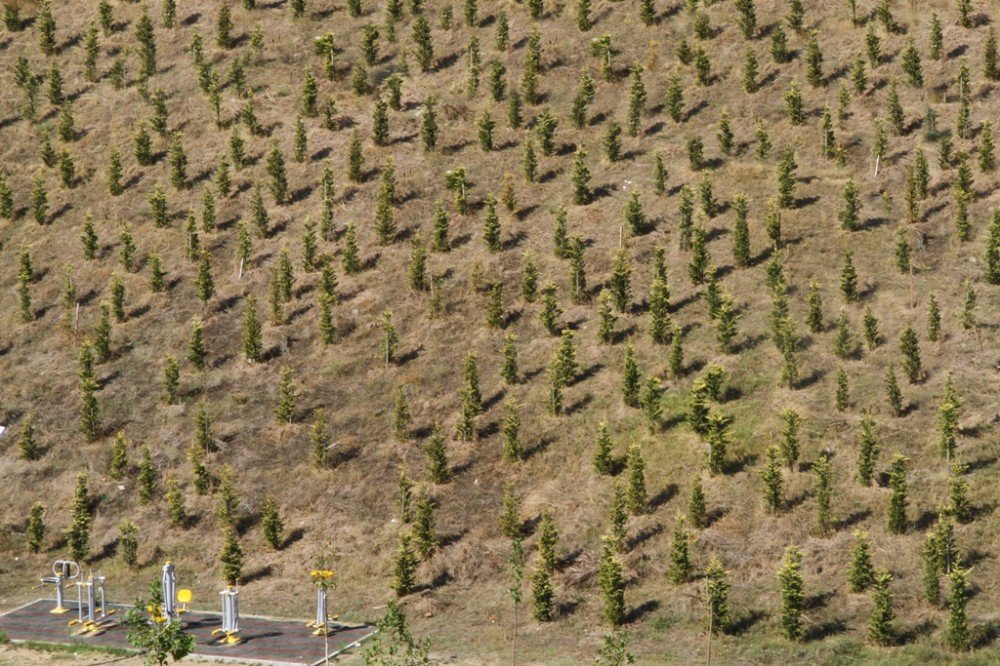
(272, 641)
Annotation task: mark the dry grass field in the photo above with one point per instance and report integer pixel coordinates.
(462, 603)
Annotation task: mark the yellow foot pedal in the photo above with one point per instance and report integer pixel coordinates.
(59, 610)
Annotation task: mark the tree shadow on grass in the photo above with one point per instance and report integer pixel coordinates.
(750, 342)
(986, 634)
(293, 537)
(549, 175)
(300, 194)
(404, 138)
(913, 632)
(409, 356)
(672, 421)
(528, 526)
(714, 516)
(461, 468)
(739, 464)
(925, 520)
(695, 110)
(974, 431)
(640, 611)
(586, 374)
(59, 212)
(602, 191)
(568, 559)
(192, 520)
(257, 574)
(271, 354)
(678, 305)
(154, 558)
(826, 629)
(797, 500)
(574, 407)
(541, 446)
(370, 262)
(622, 335)
(447, 61)
(645, 535)
(108, 549)
(490, 402)
(811, 378)
(745, 622)
(984, 509)
(664, 496)
(974, 557)
(853, 519)
(488, 430)
(455, 147)
(452, 539)
(817, 601)
(567, 608)
(531, 374)
(246, 522)
(522, 213)
(513, 316)
(342, 455)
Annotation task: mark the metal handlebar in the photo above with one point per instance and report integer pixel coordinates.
(64, 567)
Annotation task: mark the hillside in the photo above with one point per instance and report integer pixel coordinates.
(729, 260)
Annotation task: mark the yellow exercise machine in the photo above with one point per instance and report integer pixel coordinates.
(93, 622)
(323, 580)
(228, 632)
(62, 571)
(183, 598)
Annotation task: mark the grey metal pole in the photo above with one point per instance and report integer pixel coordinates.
(235, 609)
(168, 584)
(90, 598)
(59, 594)
(79, 601)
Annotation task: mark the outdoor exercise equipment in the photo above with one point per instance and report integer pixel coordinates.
(183, 598)
(230, 617)
(168, 585)
(323, 579)
(62, 571)
(92, 621)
